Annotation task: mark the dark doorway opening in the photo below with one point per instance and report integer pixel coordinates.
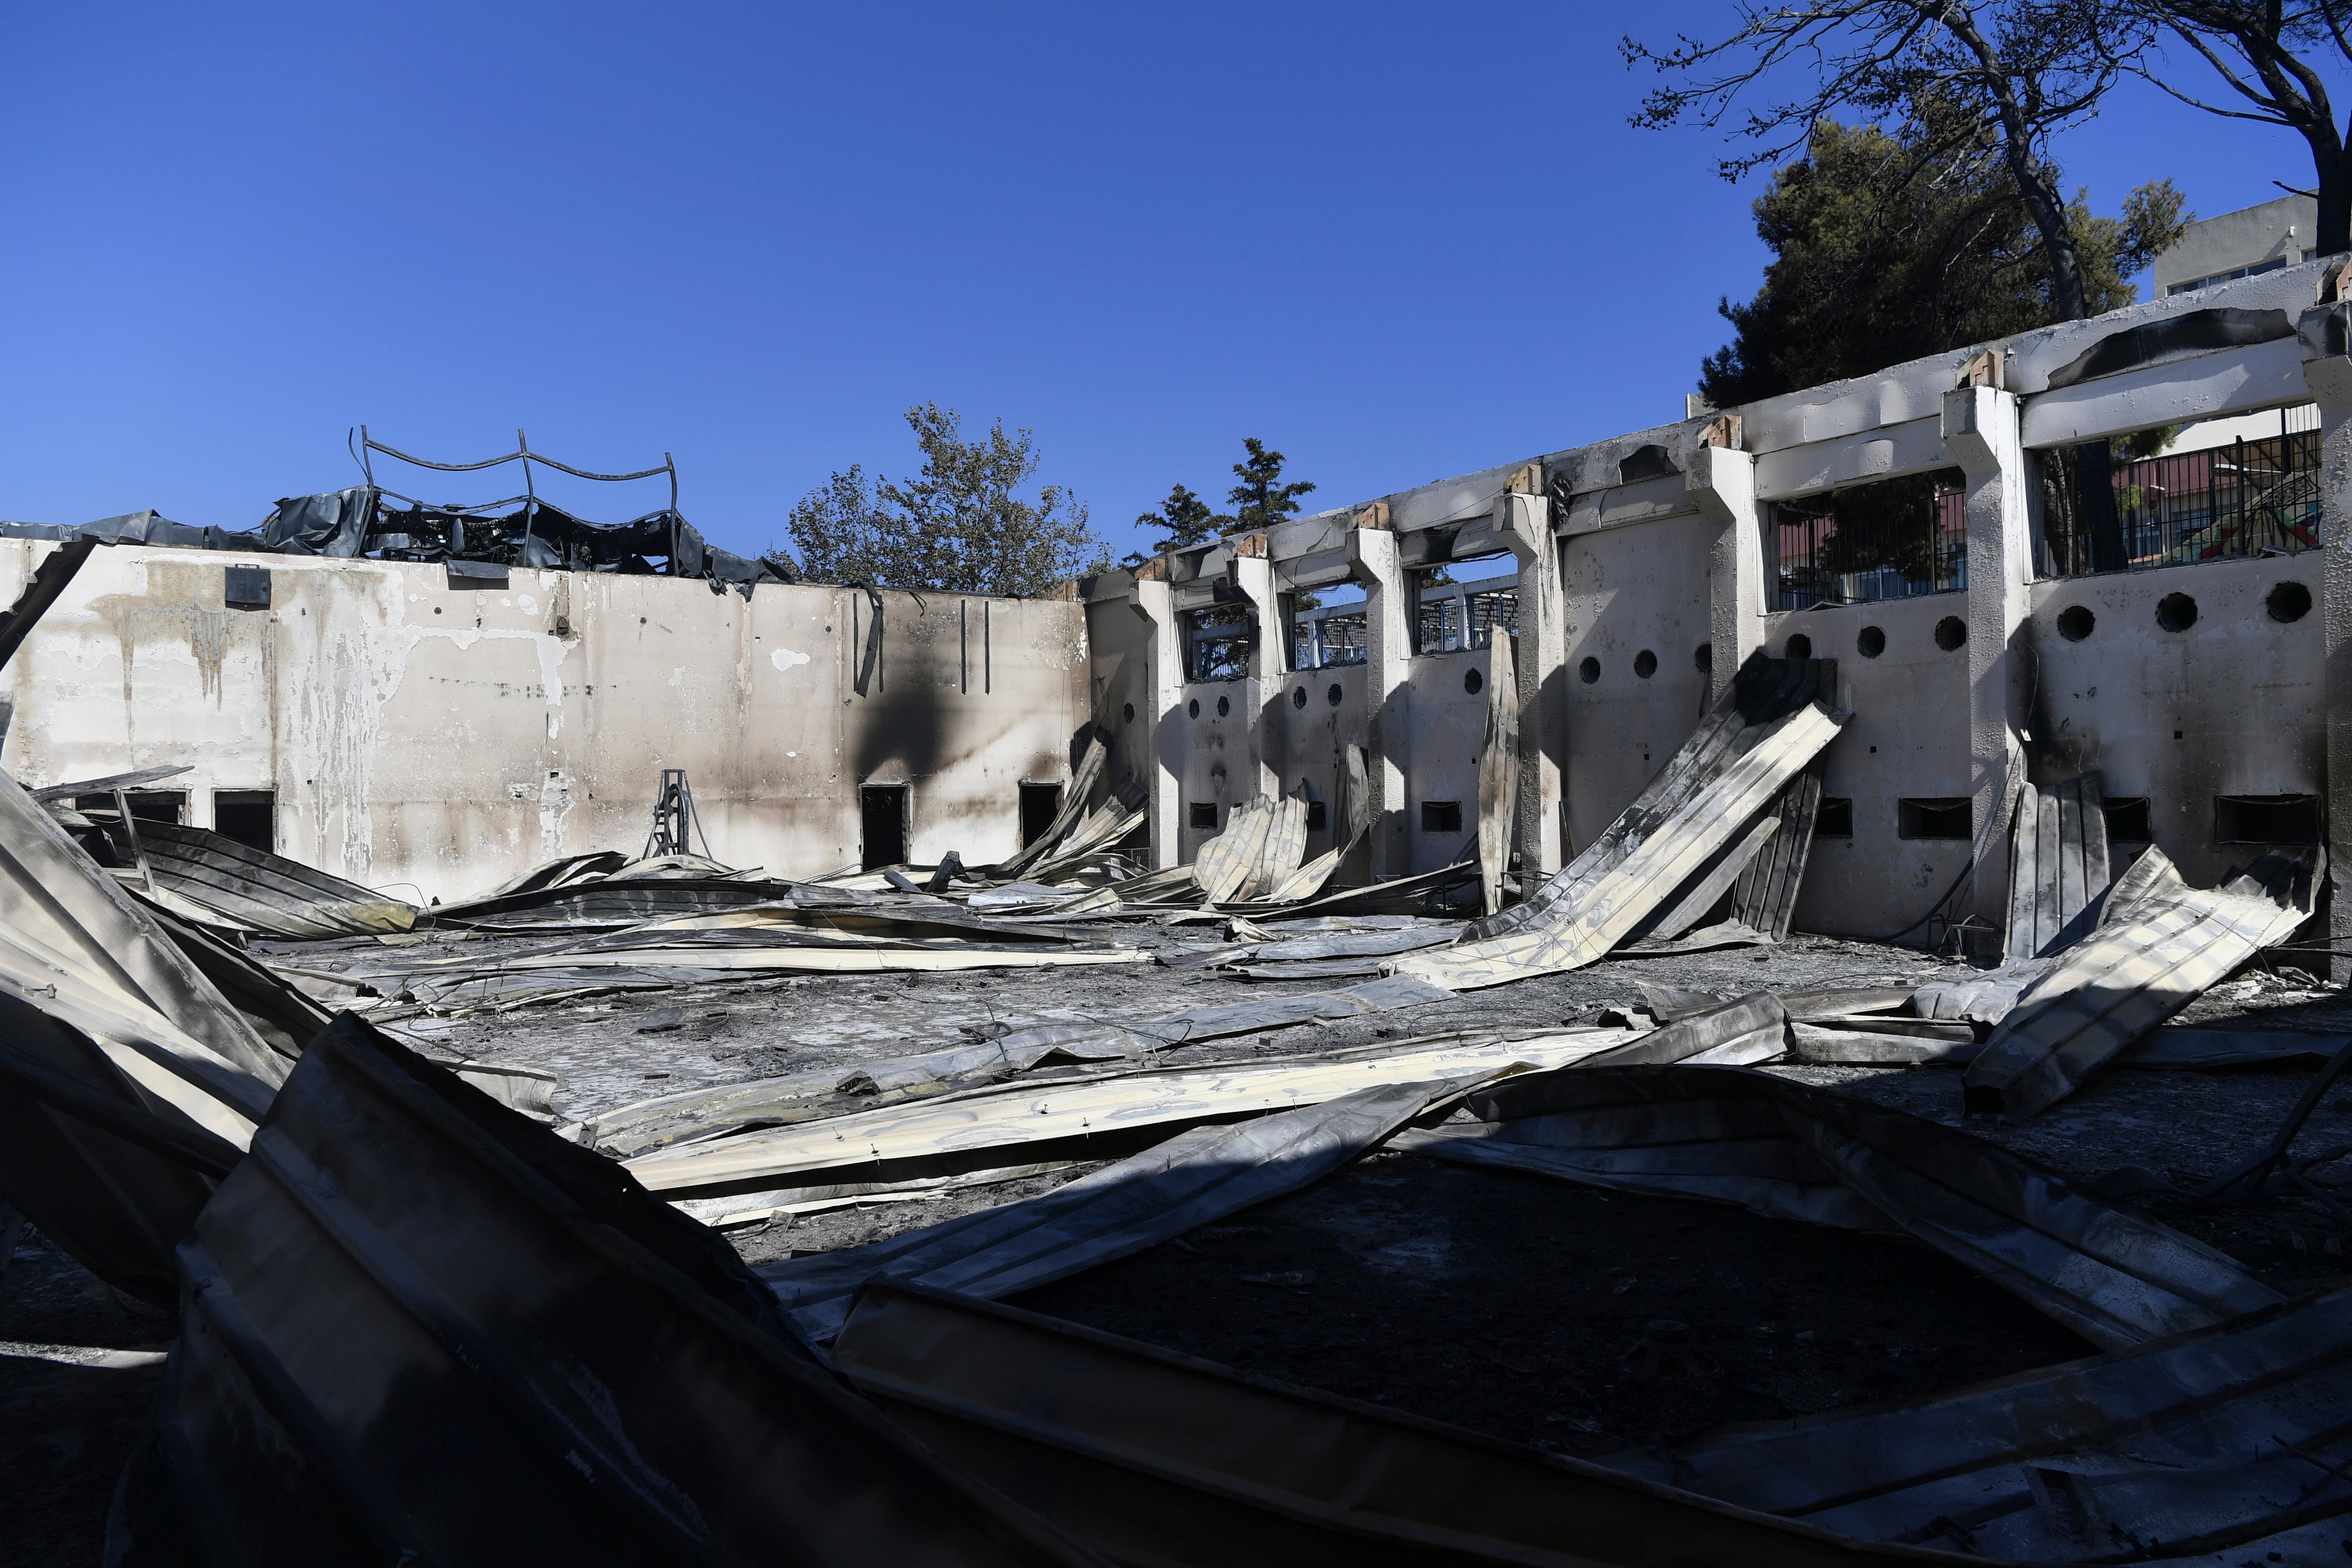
(1040, 804)
(146, 804)
(248, 816)
(882, 826)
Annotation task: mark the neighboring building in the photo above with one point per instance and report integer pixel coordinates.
(2239, 245)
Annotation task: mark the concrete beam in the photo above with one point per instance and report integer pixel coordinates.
(1388, 691)
(1155, 601)
(1980, 431)
(2326, 337)
(1722, 484)
(1523, 523)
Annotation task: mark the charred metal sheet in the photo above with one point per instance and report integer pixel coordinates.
(1767, 727)
(281, 1013)
(2227, 1443)
(2116, 1277)
(1193, 1179)
(1766, 897)
(1498, 772)
(1985, 998)
(262, 891)
(49, 584)
(130, 1083)
(1752, 1029)
(1154, 1457)
(1401, 895)
(1261, 846)
(136, 779)
(2057, 865)
(702, 1113)
(1697, 899)
(1087, 1118)
(2150, 957)
(583, 906)
(416, 1327)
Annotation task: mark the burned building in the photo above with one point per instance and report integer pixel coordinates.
(515, 1053)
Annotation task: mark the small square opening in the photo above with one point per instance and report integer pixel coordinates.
(1935, 818)
(1834, 818)
(1202, 813)
(1441, 816)
(882, 823)
(2266, 819)
(2127, 819)
(248, 816)
(1319, 820)
(1040, 804)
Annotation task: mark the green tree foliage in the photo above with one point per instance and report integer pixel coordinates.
(1885, 250)
(959, 526)
(1186, 518)
(1262, 499)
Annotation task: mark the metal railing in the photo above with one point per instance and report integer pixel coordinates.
(1319, 642)
(1895, 539)
(2248, 498)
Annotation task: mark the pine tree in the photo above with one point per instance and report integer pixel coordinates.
(1187, 519)
(1262, 499)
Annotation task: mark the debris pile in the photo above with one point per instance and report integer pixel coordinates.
(422, 1316)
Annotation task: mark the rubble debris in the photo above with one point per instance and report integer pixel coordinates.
(2158, 944)
(1151, 1457)
(415, 1326)
(2225, 1441)
(1769, 725)
(1765, 898)
(1262, 846)
(1192, 1179)
(1786, 1149)
(2058, 870)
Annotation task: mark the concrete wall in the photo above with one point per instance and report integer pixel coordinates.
(2283, 231)
(1649, 543)
(436, 742)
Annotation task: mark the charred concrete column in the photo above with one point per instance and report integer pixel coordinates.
(1152, 598)
(1721, 482)
(2326, 335)
(1388, 660)
(1250, 575)
(1980, 433)
(1523, 522)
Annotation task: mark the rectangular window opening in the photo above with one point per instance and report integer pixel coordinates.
(2266, 819)
(1459, 604)
(1202, 814)
(248, 816)
(2127, 819)
(1218, 642)
(1834, 818)
(1934, 819)
(2243, 486)
(1441, 816)
(1890, 539)
(882, 823)
(1040, 804)
(1319, 820)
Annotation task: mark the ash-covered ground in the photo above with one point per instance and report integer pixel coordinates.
(1498, 1301)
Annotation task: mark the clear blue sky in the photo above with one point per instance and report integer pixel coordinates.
(1397, 243)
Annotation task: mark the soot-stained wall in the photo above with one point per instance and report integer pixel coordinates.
(436, 741)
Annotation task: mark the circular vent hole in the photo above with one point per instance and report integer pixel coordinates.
(1474, 683)
(1332, 696)
(2288, 602)
(1129, 711)
(2075, 621)
(1193, 708)
(1801, 646)
(2176, 612)
(1951, 632)
(1224, 706)
(1645, 664)
(1589, 671)
(1870, 642)
(1299, 698)
(1703, 656)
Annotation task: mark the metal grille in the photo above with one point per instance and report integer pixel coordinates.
(1453, 615)
(2249, 498)
(1321, 641)
(1893, 540)
(1218, 642)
